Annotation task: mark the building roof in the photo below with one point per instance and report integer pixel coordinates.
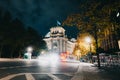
(48, 34)
(55, 31)
(58, 29)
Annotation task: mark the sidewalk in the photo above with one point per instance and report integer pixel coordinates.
(5, 59)
(88, 71)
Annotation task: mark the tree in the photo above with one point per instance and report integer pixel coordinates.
(94, 18)
(14, 37)
(4, 30)
(17, 32)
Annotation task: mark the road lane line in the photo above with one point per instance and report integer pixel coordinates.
(29, 76)
(15, 67)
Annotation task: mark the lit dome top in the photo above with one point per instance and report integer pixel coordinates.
(56, 32)
(57, 29)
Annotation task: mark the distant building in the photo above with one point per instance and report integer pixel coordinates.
(71, 45)
(58, 42)
(109, 40)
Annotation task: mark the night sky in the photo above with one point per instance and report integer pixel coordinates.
(42, 14)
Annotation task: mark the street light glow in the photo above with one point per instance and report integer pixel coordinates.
(29, 49)
(28, 54)
(118, 14)
(88, 40)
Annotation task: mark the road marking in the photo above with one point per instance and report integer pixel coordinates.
(11, 76)
(67, 74)
(53, 77)
(29, 76)
(15, 67)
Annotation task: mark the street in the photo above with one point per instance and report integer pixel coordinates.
(37, 70)
(20, 69)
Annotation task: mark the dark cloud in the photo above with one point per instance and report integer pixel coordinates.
(41, 14)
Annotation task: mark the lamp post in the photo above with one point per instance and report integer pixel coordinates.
(96, 42)
(29, 52)
(78, 54)
(88, 40)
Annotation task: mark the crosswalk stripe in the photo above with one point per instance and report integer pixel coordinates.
(54, 77)
(10, 76)
(29, 76)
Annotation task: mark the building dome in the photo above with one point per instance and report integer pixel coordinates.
(57, 31)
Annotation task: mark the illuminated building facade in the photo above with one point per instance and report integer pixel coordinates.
(57, 41)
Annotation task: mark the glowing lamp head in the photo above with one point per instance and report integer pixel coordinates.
(29, 49)
(88, 40)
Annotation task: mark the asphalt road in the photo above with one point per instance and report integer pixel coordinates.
(37, 70)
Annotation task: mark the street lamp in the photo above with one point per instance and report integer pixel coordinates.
(88, 40)
(29, 49)
(28, 54)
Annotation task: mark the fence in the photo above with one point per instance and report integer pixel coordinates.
(111, 60)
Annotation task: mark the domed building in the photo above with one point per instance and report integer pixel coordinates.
(57, 41)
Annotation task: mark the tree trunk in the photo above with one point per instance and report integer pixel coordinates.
(13, 49)
(1, 50)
